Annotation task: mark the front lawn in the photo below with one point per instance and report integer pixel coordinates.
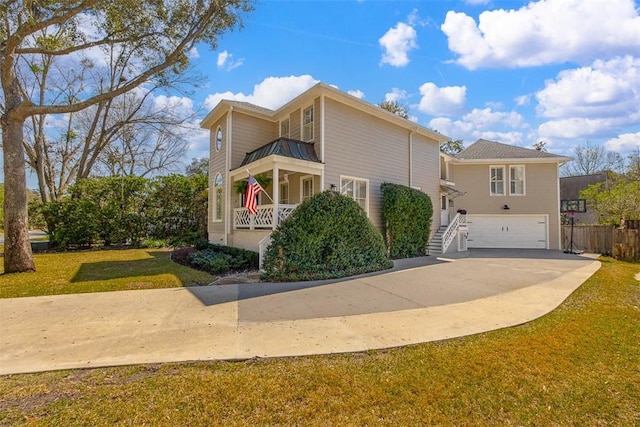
(98, 271)
(577, 366)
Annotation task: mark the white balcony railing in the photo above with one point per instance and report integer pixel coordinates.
(263, 219)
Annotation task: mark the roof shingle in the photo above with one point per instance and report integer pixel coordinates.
(483, 149)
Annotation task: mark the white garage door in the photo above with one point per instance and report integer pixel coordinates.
(508, 231)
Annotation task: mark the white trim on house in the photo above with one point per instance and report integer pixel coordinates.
(303, 179)
(503, 181)
(524, 181)
(355, 181)
(284, 193)
(307, 126)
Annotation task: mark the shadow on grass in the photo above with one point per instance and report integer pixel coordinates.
(158, 263)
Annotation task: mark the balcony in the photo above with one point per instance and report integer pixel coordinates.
(264, 218)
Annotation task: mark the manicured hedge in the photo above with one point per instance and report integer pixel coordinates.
(327, 236)
(407, 217)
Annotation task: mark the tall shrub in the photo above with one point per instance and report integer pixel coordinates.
(178, 207)
(407, 215)
(121, 206)
(327, 236)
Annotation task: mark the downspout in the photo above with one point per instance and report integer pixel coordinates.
(322, 140)
(229, 217)
(411, 156)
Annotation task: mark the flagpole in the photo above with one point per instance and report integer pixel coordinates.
(263, 190)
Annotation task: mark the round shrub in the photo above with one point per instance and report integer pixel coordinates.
(325, 237)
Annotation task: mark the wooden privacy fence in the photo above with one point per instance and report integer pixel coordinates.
(608, 240)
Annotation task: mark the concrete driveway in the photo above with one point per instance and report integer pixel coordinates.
(420, 300)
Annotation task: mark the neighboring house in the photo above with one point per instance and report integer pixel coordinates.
(511, 195)
(570, 188)
(323, 139)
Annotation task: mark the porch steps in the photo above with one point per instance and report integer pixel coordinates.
(435, 245)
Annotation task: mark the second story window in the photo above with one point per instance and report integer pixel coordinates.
(497, 181)
(218, 138)
(516, 180)
(284, 128)
(307, 124)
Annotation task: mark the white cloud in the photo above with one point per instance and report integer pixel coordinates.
(625, 142)
(193, 53)
(522, 100)
(396, 95)
(397, 43)
(272, 92)
(174, 103)
(357, 93)
(597, 100)
(442, 101)
(226, 61)
(484, 118)
(545, 32)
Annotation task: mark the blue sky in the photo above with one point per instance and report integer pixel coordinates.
(565, 72)
(560, 71)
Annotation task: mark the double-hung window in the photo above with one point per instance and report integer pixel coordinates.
(284, 128)
(306, 184)
(356, 189)
(516, 181)
(496, 181)
(307, 124)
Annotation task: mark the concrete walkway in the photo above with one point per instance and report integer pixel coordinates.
(422, 299)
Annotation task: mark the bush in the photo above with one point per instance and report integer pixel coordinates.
(217, 259)
(407, 217)
(325, 237)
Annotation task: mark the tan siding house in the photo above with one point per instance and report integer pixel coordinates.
(334, 141)
(326, 139)
(511, 195)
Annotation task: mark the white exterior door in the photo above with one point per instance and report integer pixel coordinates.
(508, 231)
(444, 210)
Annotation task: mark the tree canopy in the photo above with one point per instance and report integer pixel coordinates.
(153, 37)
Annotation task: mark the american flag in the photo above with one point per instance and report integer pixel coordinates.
(251, 196)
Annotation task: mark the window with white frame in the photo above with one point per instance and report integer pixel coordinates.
(284, 128)
(516, 180)
(307, 124)
(497, 180)
(219, 138)
(306, 185)
(218, 194)
(284, 193)
(356, 189)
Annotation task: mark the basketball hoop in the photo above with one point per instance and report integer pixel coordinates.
(571, 207)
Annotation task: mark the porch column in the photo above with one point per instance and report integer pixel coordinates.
(276, 196)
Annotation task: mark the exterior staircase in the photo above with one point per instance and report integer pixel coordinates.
(447, 234)
(435, 245)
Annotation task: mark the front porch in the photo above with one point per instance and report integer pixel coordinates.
(267, 217)
(293, 173)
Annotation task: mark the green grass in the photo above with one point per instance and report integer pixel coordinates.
(577, 366)
(99, 271)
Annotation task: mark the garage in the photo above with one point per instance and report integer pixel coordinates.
(508, 231)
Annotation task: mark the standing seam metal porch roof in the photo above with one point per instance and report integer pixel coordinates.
(284, 147)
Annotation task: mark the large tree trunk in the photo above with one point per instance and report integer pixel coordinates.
(18, 257)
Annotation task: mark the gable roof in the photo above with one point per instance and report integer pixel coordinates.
(319, 89)
(483, 150)
(286, 147)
